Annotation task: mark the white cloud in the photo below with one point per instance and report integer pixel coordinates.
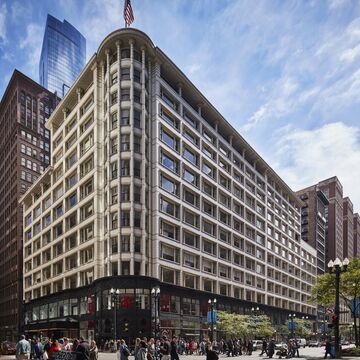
(336, 4)
(3, 15)
(304, 157)
(31, 46)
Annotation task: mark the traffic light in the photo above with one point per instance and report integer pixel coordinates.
(334, 318)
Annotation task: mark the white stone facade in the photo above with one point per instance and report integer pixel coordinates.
(147, 178)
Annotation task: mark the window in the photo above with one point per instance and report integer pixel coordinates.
(125, 117)
(169, 119)
(125, 218)
(125, 94)
(125, 73)
(169, 185)
(169, 253)
(169, 230)
(169, 207)
(125, 167)
(191, 239)
(114, 170)
(114, 195)
(190, 197)
(190, 156)
(137, 96)
(125, 193)
(137, 219)
(114, 98)
(125, 142)
(114, 78)
(114, 121)
(87, 210)
(208, 170)
(137, 168)
(191, 219)
(169, 139)
(137, 76)
(169, 163)
(190, 177)
(137, 144)
(125, 243)
(72, 200)
(137, 119)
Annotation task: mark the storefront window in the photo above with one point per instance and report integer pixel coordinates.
(74, 306)
(83, 305)
(43, 312)
(191, 307)
(142, 299)
(175, 304)
(53, 310)
(63, 308)
(36, 313)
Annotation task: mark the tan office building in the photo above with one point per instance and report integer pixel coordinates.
(149, 186)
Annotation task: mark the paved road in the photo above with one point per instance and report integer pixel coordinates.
(305, 354)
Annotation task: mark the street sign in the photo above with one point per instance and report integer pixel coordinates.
(212, 317)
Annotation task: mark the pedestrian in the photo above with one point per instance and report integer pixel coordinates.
(93, 351)
(23, 349)
(271, 348)
(328, 349)
(141, 354)
(137, 346)
(230, 348)
(250, 348)
(54, 349)
(75, 344)
(38, 348)
(173, 349)
(165, 348)
(66, 345)
(151, 349)
(83, 350)
(123, 350)
(264, 347)
(210, 353)
(296, 348)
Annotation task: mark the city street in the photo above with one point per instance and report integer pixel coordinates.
(307, 353)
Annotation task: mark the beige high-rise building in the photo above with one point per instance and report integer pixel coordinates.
(153, 193)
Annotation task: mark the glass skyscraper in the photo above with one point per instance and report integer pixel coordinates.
(63, 55)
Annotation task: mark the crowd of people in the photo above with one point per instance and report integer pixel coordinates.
(47, 348)
(149, 349)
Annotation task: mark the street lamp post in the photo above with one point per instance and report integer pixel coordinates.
(292, 317)
(155, 294)
(255, 313)
(212, 309)
(115, 300)
(338, 267)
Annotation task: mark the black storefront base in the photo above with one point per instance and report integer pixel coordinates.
(89, 311)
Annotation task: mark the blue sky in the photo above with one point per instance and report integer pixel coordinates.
(286, 74)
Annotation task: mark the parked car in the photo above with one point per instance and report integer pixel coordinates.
(314, 343)
(7, 348)
(279, 346)
(345, 342)
(301, 342)
(257, 344)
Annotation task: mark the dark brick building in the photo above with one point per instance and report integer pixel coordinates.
(348, 228)
(356, 233)
(333, 190)
(24, 154)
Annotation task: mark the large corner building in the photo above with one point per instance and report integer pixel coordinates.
(149, 186)
(62, 57)
(24, 154)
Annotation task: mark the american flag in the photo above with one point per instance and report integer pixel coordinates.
(128, 13)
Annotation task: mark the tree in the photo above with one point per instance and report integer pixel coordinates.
(302, 329)
(244, 326)
(324, 291)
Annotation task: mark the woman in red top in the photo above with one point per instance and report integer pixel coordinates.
(54, 348)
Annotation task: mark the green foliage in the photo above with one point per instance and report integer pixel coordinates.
(244, 326)
(323, 291)
(303, 328)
